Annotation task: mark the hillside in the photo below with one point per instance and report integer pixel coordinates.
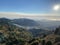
(10, 32)
(26, 22)
(40, 32)
(44, 24)
(54, 38)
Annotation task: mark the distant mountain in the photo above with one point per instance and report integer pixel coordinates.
(26, 22)
(4, 20)
(29, 23)
(44, 24)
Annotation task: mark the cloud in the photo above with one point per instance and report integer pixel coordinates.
(13, 15)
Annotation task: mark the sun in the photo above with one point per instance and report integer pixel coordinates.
(56, 7)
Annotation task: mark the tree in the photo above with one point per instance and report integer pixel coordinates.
(43, 42)
(57, 39)
(49, 43)
(35, 43)
(56, 31)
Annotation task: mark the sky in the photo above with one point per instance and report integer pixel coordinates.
(30, 8)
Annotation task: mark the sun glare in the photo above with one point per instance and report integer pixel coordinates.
(56, 7)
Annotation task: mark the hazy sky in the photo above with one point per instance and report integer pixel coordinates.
(30, 8)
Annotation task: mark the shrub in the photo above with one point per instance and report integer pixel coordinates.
(49, 43)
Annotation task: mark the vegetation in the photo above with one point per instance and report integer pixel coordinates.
(57, 31)
(49, 43)
(43, 42)
(11, 34)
